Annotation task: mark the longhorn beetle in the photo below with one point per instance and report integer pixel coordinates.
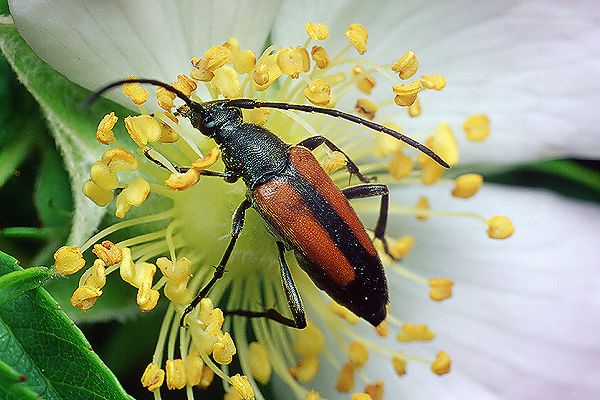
(302, 206)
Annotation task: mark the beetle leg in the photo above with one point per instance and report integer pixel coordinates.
(236, 229)
(313, 142)
(228, 176)
(291, 294)
(371, 190)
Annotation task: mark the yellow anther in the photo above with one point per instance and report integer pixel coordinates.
(399, 364)
(135, 91)
(305, 369)
(176, 377)
(467, 185)
(215, 322)
(137, 275)
(206, 307)
(431, 171)
(477, 127)
(366, 83)
(216, 57)
(185, 85)
(165, 98)
(413, 332)
(153, 377)
(108, 252)
(208, 376)
(358, 355)
(258, 116)
(308, 341)
(178, 292)
(312, 395)
(318, 92)
(334, 162)
(361, 396)
(414, 110)
(265, 72)
(441, 364)
(134, 194)
(119, 160)
(401, 166)
(382, 329)
(375, 390)
(167, 134)
(127, 267)
(227, 82)
(244, 62)
(182, 181)
(443, 142)
(435, 81)
(293, 60)
(343, 312)
(151, 299)
(208, 160)
(260, 364)
(366, 108)
(386, 145)
(500, 227)
(232, 44)
(422, 208)
(96, 275)
(401, 247)
(232, 395)
(320, 56)
(406, 94)
(69, 260)
(193, 368)
(103, 176)
(345, 382)
(143, 129)
(200, 72)
(224, 349)
(95, 193)
(318, 31)
(440, 288)
(407, 65)
(85, 296)
(180, 270)
(358, 36)
(145, 293)
(104, 133)
(242, 385)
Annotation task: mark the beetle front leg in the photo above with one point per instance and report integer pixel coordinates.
(228, 176)
(372, 190)
(291, 294)
(236, 229)
(313, 142)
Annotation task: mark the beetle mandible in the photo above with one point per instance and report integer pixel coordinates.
(304, 209)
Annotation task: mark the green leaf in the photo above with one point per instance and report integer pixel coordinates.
(73, 128)
(39, 342)
(53, 203)
(12, 384)
(16, 283)
(12, 155)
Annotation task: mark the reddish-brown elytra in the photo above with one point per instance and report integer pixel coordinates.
(305, 210)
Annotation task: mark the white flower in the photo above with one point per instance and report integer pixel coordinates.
(522, 321)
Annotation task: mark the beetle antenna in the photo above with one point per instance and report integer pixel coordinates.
(93, 98)
(249, 104)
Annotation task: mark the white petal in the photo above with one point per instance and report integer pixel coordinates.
(532, 66)
(96, 42)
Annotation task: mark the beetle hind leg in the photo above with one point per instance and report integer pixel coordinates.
(372, 190)
(313, 142)
(291, 294)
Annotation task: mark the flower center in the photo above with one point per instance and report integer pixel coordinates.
(189, 235)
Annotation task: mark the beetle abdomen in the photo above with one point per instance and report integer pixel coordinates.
(309, 211)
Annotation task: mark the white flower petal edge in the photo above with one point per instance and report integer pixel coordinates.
(532, 66)
(522, 323)
(96, 42)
